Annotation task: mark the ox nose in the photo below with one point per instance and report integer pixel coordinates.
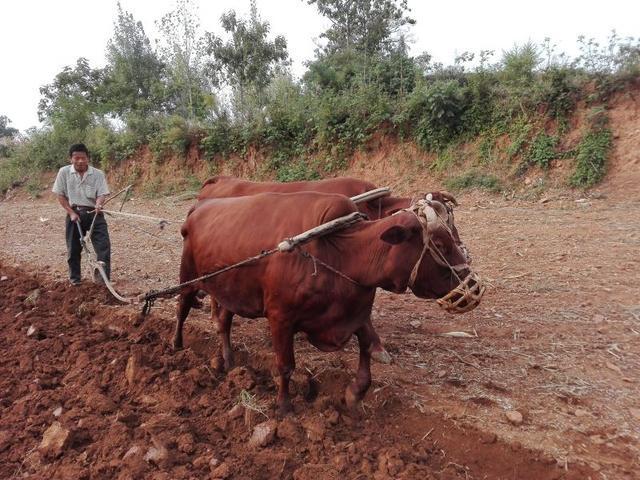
(466, 296)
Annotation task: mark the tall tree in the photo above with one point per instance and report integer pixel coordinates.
(366, 26)
(71, 100)
(248, 60)
(182, 51)
(5, 130)
(134, 74)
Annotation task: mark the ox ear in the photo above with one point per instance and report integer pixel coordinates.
(395, 235)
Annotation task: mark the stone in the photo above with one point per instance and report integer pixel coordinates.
(581, 412)
(514, 417)
(32, 331)
(132, 452)
(186, 443)
(57, 412)
(32, 298)
(132, 370)
(236, 412)
(156, 454)
(242, 378)
(263, 434)
(4, 278)
(222, 471)
(415, 323)
(55, 439)
(315, 429)
(332, 417)
(201, 462)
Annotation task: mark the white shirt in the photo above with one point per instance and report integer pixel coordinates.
(80, 191)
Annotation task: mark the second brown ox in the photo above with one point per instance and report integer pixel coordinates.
(296, 293)
(225, 186)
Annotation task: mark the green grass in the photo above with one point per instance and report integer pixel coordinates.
(474, 179)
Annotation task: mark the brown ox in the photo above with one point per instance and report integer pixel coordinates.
(296, 293)
(224, 186)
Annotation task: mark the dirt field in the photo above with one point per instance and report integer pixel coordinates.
(558, 341)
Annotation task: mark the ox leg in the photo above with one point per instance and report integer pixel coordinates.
(224, 318)
(282, 338)
(356, 390)
(185, 302)
(378, 352)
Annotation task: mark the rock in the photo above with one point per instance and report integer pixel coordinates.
(581, 412)
(156, 454)
(32, 298)
(241, 378)
(132, 452)
(236, 412)
(221, 472)
(318, 471)
(489, 438)
(315, 429)
(415, 323)
(288, 429)
(5, 439)
(55, 439)
(213, 463)
(32, 331)
(100, 403)
(132, 370)
(441, 374)
(263, 434)
(612, 366)
(332, 417)
(514, 417)
(57, 412)
(201, 462)
(4, 278)
(186, 443)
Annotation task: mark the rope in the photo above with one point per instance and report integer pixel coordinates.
(315, 260)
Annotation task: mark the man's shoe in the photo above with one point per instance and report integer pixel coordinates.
(75, 282)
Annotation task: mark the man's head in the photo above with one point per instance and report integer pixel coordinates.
(79, 156)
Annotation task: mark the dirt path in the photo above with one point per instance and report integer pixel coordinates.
(558, 341)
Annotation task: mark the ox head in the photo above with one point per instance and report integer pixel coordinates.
(442, 269)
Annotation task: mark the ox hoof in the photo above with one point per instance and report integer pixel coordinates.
(284, 408)
(351, 398)
(381, 356)
(177, 344)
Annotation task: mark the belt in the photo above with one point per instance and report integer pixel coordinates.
(82, 208)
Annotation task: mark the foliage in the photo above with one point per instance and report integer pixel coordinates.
(173, 137)
(474, 179)
(247, 62)
(542, 150)
(134, 77)
(593, 150)
(7, 134)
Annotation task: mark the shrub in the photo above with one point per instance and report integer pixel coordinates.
(542, 150)
(474, 179)
(593, 151)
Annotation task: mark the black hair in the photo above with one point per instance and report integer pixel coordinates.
(78, 147)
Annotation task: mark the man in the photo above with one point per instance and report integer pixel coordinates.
(81, 190)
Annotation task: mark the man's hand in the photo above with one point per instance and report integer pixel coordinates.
(74, 216)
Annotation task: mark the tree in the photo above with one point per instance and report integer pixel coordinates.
(72, 99)
(182, 51)
(133, 82)
(5, 130)
(366, 26)
(248, 61)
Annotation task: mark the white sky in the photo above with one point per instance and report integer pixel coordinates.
(39, 38)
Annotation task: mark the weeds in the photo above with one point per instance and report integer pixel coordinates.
(474, 179)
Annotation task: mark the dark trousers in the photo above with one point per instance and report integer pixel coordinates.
(99, 239)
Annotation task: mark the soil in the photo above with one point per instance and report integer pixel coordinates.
(558, 340)
(545, 386)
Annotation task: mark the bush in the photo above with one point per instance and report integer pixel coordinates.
(542, 150)
(174, 138)
(474, 179)
(593, 151)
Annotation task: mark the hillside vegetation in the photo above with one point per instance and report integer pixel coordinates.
(227, 101)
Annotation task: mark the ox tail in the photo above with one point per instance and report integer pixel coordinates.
(216, 179)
